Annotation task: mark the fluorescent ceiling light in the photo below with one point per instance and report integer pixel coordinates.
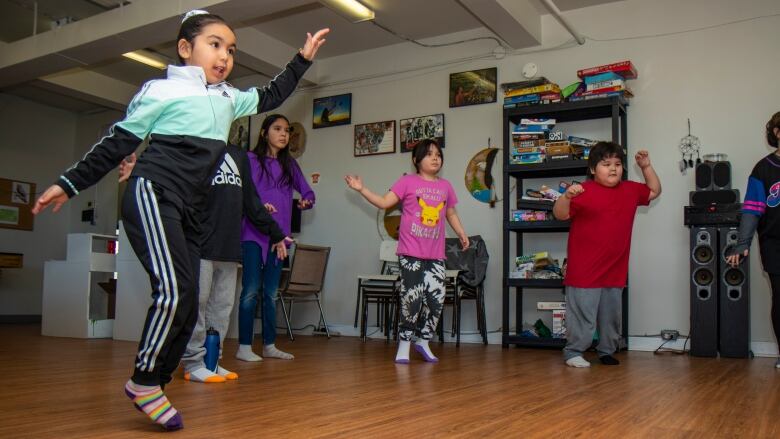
(352, 10)
(145, 57)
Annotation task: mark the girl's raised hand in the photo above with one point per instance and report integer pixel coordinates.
(354, 182)
(304, 204)
(573, 190)
(54, 194)
(642, 158)
(270, 207)
(313, 43)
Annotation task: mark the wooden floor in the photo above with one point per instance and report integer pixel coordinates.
(343, 388)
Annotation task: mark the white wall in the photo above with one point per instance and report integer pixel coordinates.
(723, 79)
(38, 143)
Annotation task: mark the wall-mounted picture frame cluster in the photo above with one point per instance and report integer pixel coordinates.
(414, 129)
(374, 138)
(473, 87)
(332, 111)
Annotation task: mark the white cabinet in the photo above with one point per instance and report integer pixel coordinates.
(74, 304)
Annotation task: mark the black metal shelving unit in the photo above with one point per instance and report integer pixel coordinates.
(612, 108)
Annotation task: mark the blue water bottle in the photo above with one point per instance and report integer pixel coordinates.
(212, 349)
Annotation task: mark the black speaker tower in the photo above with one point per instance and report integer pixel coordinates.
(704, 292)
(734, 300)
(719, 293)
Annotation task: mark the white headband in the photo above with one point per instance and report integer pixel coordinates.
(193, 13)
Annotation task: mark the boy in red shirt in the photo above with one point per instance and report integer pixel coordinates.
(602, 215)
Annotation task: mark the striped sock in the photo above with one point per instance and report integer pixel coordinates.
(152, 401)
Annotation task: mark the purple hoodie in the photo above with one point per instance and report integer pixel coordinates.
(280, 197)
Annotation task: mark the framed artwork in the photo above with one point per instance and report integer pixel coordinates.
(332, 111)
(375, 138)
(413, 130)
(239, 133)
(16, 201)
(473, 87)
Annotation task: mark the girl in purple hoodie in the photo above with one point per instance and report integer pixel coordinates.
(275, 174)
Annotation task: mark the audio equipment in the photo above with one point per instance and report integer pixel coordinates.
(734, 299)
(713, 214)
(705, 198)
(704, 291)
(713, 176)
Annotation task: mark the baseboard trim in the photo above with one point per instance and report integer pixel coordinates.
(10, 318)
(650, 344)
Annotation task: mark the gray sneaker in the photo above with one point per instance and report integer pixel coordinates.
(777, 363)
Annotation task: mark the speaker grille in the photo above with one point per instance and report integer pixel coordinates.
(703, 277)
(734, 277)
(703, 176)
(721, 175)
(702, 254)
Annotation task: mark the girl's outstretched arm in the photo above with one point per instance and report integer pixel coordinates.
(387, 201)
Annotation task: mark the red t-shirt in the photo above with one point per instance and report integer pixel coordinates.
(600, 235)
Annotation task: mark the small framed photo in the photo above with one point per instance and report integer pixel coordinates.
(375, 138)
(239, 133)
(413, 130)
(473, 87)
(332, 111)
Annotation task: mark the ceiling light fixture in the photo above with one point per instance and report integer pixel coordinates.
(352, 10)
(146, 57)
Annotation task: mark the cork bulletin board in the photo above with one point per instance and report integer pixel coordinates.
(16, 201)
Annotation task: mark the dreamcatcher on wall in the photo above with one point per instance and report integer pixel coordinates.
(689, 146)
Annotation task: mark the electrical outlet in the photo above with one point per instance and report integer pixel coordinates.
(670, 334)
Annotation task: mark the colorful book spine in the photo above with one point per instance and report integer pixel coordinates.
(600, 91)
(537, 121)
(595, 96)
(533, 90)
(605, 84)
(521, 98)
(601, 77)
(623, 68)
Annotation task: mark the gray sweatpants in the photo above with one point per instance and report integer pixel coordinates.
(588, 309)
(215, 302)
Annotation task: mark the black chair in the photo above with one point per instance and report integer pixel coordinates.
(471, 280)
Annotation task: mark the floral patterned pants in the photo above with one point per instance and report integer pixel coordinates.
(422, 296)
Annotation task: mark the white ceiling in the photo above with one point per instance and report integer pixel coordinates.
(284, 22)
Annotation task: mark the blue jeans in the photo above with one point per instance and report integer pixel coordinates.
(258, 276)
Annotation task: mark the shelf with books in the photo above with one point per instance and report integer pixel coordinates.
(536, 283)
(571, 111)
(533, 342)
(562, 168)
(614, 111)
(539, 204)
(538, 226)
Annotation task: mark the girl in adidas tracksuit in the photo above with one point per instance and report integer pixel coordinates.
(187, 117)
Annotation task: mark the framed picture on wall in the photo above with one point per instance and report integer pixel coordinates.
(413, 130)
(374, 138)
(473, 87)
(332, 111)
(239, 133)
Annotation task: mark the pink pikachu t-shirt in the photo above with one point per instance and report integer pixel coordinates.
(424, 207)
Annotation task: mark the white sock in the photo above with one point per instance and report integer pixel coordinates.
(245, 353)
(402, 356)
(203, 375)
(423, 344)
(270, 350)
